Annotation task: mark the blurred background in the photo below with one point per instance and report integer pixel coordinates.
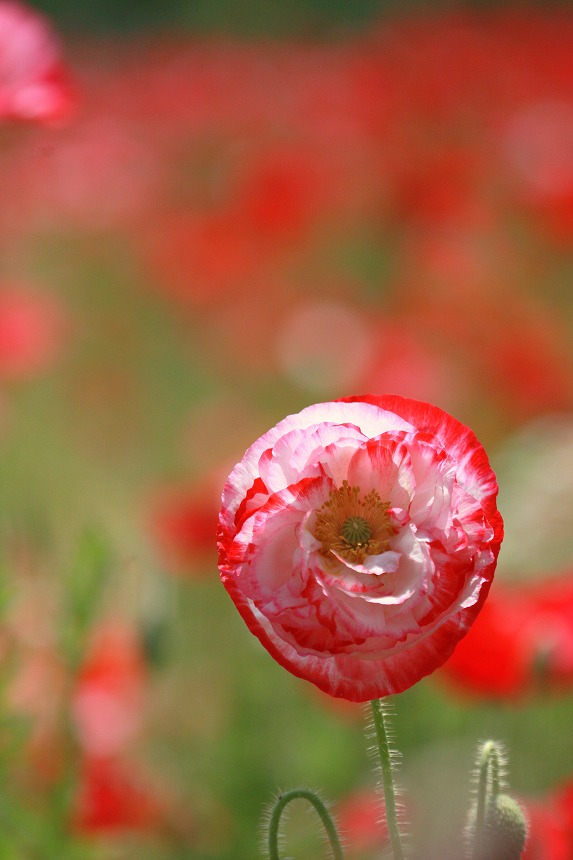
(249, 208)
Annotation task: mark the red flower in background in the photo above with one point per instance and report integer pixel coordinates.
(200, 259)
(549, 837)
(113, 796)
(281, 194)
(358, 540)
(523, 355)
(34, 84)
(550, 826)
(521, 643)
(183, 524)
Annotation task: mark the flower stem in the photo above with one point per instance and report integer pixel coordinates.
(389, 789)
(488, 787)
(305, 794)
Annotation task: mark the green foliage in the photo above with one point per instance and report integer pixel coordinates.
(255, 17)
(83, 583)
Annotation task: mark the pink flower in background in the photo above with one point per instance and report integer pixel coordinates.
(358, 540)
(102, 174)
(33, 328)
(324, 346)
(113, 793)
(361, 819)
(36, 692)
(108, 700)
(34, 84)
(538, 147)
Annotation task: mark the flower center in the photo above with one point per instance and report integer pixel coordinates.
(355, 531)
(351, 527)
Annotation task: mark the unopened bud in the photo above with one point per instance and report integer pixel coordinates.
(504, 831)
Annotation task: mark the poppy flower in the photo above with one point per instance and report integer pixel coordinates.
(358, 540)
(34, 84)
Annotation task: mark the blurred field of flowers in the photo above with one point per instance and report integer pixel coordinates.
(221, 232)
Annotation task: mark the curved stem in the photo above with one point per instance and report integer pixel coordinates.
(488, 778)
(305, 794)
(387, 778)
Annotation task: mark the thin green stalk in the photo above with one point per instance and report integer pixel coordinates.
(387, 778)
(305, 794)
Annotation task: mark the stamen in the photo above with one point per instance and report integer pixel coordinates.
(352, 527)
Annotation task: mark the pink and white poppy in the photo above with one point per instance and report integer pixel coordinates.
(34, 84)
(358, 540)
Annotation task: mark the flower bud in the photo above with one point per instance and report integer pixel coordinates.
(504, 832)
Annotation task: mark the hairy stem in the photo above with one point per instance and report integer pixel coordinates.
(381, 730)
(488, 787)
(305, 794)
